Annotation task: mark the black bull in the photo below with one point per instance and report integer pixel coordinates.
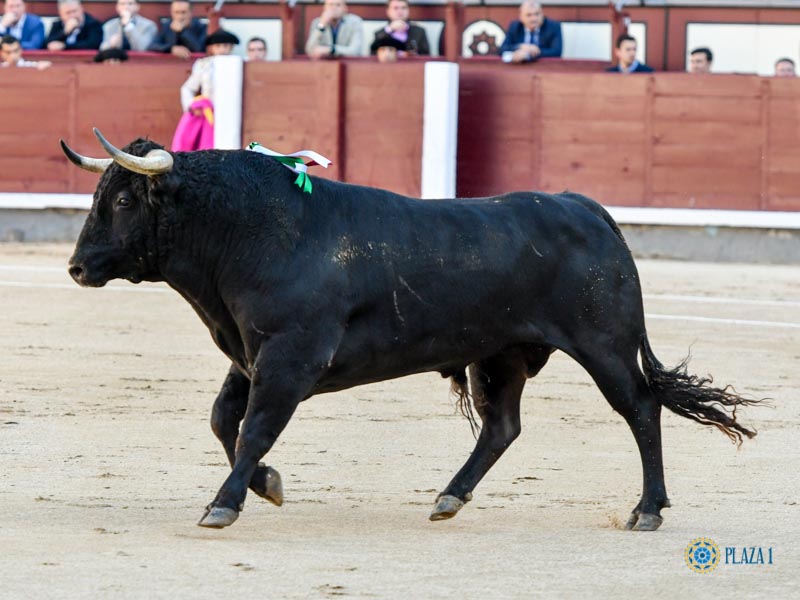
(308, 294)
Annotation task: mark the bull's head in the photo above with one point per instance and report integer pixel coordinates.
(118, 240)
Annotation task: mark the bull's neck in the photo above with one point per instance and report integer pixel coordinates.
(192, 262)
(201, 251)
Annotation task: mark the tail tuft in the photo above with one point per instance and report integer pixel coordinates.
(694, 397)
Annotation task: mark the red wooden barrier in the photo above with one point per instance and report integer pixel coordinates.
(675, 140)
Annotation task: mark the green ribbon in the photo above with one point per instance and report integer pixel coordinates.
(303, 181)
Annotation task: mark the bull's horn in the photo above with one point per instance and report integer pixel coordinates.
(95, 165)
(155, 163)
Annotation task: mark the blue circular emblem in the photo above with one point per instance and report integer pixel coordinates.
(702, 555)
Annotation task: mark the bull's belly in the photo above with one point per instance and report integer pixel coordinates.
(442, 351)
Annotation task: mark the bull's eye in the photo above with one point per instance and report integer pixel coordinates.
(124, 202)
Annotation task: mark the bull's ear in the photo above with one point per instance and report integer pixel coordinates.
(160, 187)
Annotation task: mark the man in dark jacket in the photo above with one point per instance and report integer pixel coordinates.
(532, 36)
(183, 34)
(625, 52)
(412, 37)
(75, 29)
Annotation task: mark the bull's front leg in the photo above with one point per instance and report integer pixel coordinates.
(285, 371)
(227, 414)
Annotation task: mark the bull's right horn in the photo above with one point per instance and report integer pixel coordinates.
(156, 162)
(95, 165)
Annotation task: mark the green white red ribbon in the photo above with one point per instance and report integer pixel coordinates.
(294, 162)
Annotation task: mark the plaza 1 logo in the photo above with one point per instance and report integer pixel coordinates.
(702, 555)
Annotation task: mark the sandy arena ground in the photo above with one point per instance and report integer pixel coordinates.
(107, 460)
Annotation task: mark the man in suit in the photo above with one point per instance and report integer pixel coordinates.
(28, 29)
(128, 31)
(183, 35)
(75, 29)
(625, 52)
(532, 36)
(413, 38)
(335, 32)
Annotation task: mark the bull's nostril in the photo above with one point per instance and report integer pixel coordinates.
(76, 272)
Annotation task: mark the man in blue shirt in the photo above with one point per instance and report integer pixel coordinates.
(28, 29)
(532, 36)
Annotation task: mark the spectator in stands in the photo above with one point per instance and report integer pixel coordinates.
(700, 61)
(128, 31)
(75, 29)
(11, 55)
(335, 32)
(532, 36)
(111, 56)
(256, 49)
(388, 49)
(184, 33)
(784, 67)
(28, 29)
(625, 52)
(412, 37)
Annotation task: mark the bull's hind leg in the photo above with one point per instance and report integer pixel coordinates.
(622, 383)
(497, 385)
(228, 412)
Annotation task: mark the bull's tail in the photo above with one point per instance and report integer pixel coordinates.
(693, 397)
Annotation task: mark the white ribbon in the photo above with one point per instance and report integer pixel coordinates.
(316, 158)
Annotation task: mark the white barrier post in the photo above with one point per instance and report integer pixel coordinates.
(440, 130)
(228, 83)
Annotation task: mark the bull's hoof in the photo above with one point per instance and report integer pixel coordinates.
(267, 483)
(447, 506)
(644, 522)
(218, 517)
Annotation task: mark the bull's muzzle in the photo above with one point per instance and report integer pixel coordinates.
(77, 273)
(95, 268)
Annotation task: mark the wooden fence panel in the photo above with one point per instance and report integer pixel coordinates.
(383, 113)
(783, 157)
(708, 142)
(594, 134)
(295, 106)
(36, 106)
(498, 147)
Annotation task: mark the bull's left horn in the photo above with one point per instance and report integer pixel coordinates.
(156, 162)
(95, 165)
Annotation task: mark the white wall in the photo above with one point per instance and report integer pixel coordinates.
(269, 29)
(745, 48)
